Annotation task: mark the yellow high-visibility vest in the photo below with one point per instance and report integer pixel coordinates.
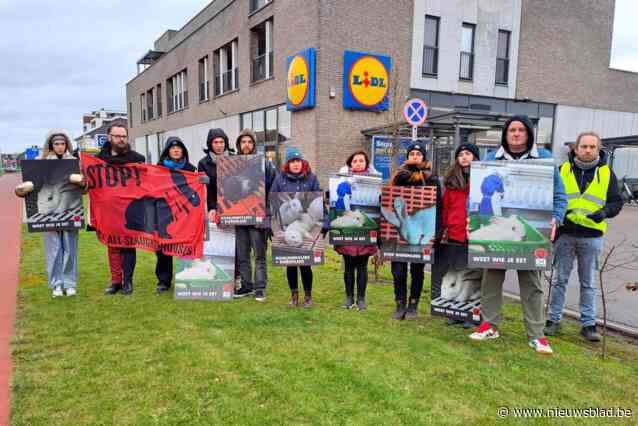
(592, 199)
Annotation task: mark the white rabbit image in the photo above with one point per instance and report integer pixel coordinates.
(461, 286)
(315, 209)
(201, 269)
(297, 231)
(290, 210)
(350, 219)
(501, 229)
(58, 197)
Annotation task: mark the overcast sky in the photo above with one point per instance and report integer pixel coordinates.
(61, 59)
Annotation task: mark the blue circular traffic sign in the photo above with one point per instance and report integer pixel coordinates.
(415, 112)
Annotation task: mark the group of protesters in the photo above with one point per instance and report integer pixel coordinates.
(585, 195)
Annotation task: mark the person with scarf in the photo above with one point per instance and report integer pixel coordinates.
(415, 171)
(118, 152)
(296, 176)
(173, 157)
(592, 197)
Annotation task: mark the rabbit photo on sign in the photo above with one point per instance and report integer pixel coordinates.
(501, 229)
(297, 216)
(461, 285)
(291, 208)
(417, 228)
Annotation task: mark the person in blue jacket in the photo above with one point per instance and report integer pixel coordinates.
(517, 143)
(296, 176)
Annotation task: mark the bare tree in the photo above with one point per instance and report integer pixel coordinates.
(616, 256)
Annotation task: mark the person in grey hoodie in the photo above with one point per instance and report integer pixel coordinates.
(60, 247)
(253, 238)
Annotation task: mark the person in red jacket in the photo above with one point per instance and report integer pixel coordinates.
(356, 257)
(454, 214)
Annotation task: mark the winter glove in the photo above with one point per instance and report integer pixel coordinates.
(597, 216)
(76, 178)
(24, 188)
(204, 179)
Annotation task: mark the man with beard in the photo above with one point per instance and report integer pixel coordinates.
(117, 151)
(253, 237)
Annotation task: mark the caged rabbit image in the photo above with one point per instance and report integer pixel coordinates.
(501, 229)
(290, 210)
(58, 197)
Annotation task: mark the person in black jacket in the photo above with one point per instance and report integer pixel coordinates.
(592, 196)
(174, 157)
(216, 146)
(415, 171)
(117, 151)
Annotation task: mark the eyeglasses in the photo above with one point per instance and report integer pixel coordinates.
(119, 136)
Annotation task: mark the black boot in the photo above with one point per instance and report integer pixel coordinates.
(127, 288)
(162, 288)
(411, 312)
(399, 314)
(113, 289)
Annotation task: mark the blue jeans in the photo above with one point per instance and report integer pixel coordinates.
(61, 252)
(586, 251)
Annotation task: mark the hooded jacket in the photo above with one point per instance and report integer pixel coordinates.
(47, 148)
(532, 153)
(306, 181)
(271, 172)
(171, 142)
(613, 204)
(208, 165)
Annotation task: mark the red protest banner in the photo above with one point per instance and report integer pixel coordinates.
(148, 207)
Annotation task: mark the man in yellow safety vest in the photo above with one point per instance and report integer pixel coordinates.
(592, 197)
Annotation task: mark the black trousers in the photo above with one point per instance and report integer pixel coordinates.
(400, 281)
(164, 269)
(356, 270)
(129, 259)
(293, 280)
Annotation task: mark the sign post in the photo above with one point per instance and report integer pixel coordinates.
(415, 112)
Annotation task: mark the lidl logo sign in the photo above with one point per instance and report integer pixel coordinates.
(301, 80)
(366, 81)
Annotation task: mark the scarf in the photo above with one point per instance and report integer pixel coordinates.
(586, 165)
(173, 165)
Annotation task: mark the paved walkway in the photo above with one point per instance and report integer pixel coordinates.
(10, 218)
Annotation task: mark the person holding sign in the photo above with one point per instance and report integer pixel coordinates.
(517, 143)
(254, 238)
(415, 171)
(118, 151)
(296, 176)
(355, 256)
(60, 247)
(173, 157)
(216, 146)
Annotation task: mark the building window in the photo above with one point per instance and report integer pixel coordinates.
(431, 46)
(255, 5)
(143, 107)
(503, 57)
(158, 95)
(261, 51)
(271, 127)
(203, 79)
(466, 71)
(225, 68)
(149, 104)
(177, 92)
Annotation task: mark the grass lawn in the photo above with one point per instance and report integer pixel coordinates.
(147, 359)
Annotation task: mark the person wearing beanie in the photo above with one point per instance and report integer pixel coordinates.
(117, 151)
(173, 157)
(60, 247)
(355, 257)
(451, 254)
(415, 171)
(517, 143)
(296, 176)
(250, 237)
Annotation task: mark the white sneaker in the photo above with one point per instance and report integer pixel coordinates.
(57, 292)
(485, 332)
(541, 346)
(71, 291)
